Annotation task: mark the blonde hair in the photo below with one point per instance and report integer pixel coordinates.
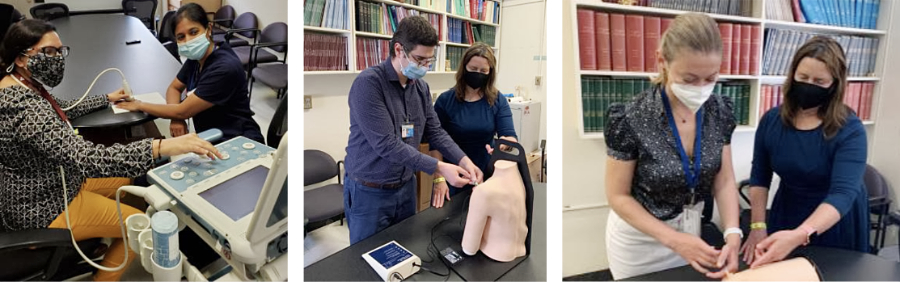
(692, 32)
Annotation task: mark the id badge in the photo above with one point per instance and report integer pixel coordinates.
(690, 220)
(407, 130)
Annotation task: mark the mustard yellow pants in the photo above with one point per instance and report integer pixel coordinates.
(93, 214)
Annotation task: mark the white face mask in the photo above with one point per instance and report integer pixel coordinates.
(692, 96)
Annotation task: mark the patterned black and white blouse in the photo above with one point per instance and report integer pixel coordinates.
(34, 142)
(639, 130)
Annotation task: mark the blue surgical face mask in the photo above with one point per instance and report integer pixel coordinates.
(194, 49)
(413, 71)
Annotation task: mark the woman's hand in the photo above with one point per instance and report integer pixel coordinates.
(130, 106)
(117, 95)
(189, 143)
(502, 147)
(749, 249)
(728, 257)
(694, 250)
(439, 192)
(178, 127)
(778, 246)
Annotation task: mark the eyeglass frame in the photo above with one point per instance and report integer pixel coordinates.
(428, 62)
(62, 51)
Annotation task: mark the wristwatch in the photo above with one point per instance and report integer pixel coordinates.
(810, 233)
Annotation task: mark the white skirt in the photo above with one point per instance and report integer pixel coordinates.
(631, 252)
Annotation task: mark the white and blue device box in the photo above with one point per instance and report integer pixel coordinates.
(392, 259)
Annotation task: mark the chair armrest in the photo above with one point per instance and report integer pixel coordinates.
(230, 33)
(222, 20)
(256, 47)
(35, 238)
(270, 44)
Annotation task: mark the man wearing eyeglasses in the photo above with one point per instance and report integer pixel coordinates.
(390, 114)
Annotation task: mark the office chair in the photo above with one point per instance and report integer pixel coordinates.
(324, 204)
(223, 19)
(247, 25)
(879, 204)
(17, 16)
(894, 219)
(279, 124)
(145, 10)
(167, 37)
(273, 37)
(274, 33)
(45, 254)
(7, 18)
(49, 11)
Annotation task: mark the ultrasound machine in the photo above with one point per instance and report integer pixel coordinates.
(237, 204)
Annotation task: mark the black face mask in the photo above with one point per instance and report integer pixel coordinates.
(476, 80)
(809, 96)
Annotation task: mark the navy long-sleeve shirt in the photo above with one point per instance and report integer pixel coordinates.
(814, 170)
(474, 124)
(379, 106)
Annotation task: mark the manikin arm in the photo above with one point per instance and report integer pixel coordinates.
(475, 223)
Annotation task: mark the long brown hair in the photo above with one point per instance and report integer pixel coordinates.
(484, 51)
(688, 32)
(829, 52)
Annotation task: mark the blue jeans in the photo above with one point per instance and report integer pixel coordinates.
(369, 210)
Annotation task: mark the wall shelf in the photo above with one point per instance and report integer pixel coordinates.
(352, 34)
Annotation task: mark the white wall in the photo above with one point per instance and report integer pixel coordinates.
(884, 154)
(327, 124)
(523, 53)
(585, 207)
(268, 11)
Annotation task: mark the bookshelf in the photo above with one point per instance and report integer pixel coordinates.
(441, 65)
(755, 16)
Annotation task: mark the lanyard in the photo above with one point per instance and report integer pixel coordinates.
(405, 106)
(692, 175)
(46, 95)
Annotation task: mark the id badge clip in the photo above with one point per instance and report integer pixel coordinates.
(407, 130)
(692, 216)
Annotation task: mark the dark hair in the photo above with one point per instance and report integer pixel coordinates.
(20, 36)
(413, 31)
(192, 12)
(477, 50)
(828, 51)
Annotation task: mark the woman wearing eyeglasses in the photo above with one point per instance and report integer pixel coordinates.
(37, 144)
(214, 79)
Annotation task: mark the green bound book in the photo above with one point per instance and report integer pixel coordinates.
(585, 105)
(603, 90)
(601, 86)
(746, 104)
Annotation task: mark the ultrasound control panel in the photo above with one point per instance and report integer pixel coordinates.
(184, 173)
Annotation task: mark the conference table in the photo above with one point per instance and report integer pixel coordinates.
(833, 264)
(97, 42)
(414, 235)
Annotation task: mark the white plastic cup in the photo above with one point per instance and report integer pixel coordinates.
(135, 224)
(145, 240)
(167, 274)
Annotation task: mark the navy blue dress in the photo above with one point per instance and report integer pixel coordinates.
(813, 171)
(473, 125)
